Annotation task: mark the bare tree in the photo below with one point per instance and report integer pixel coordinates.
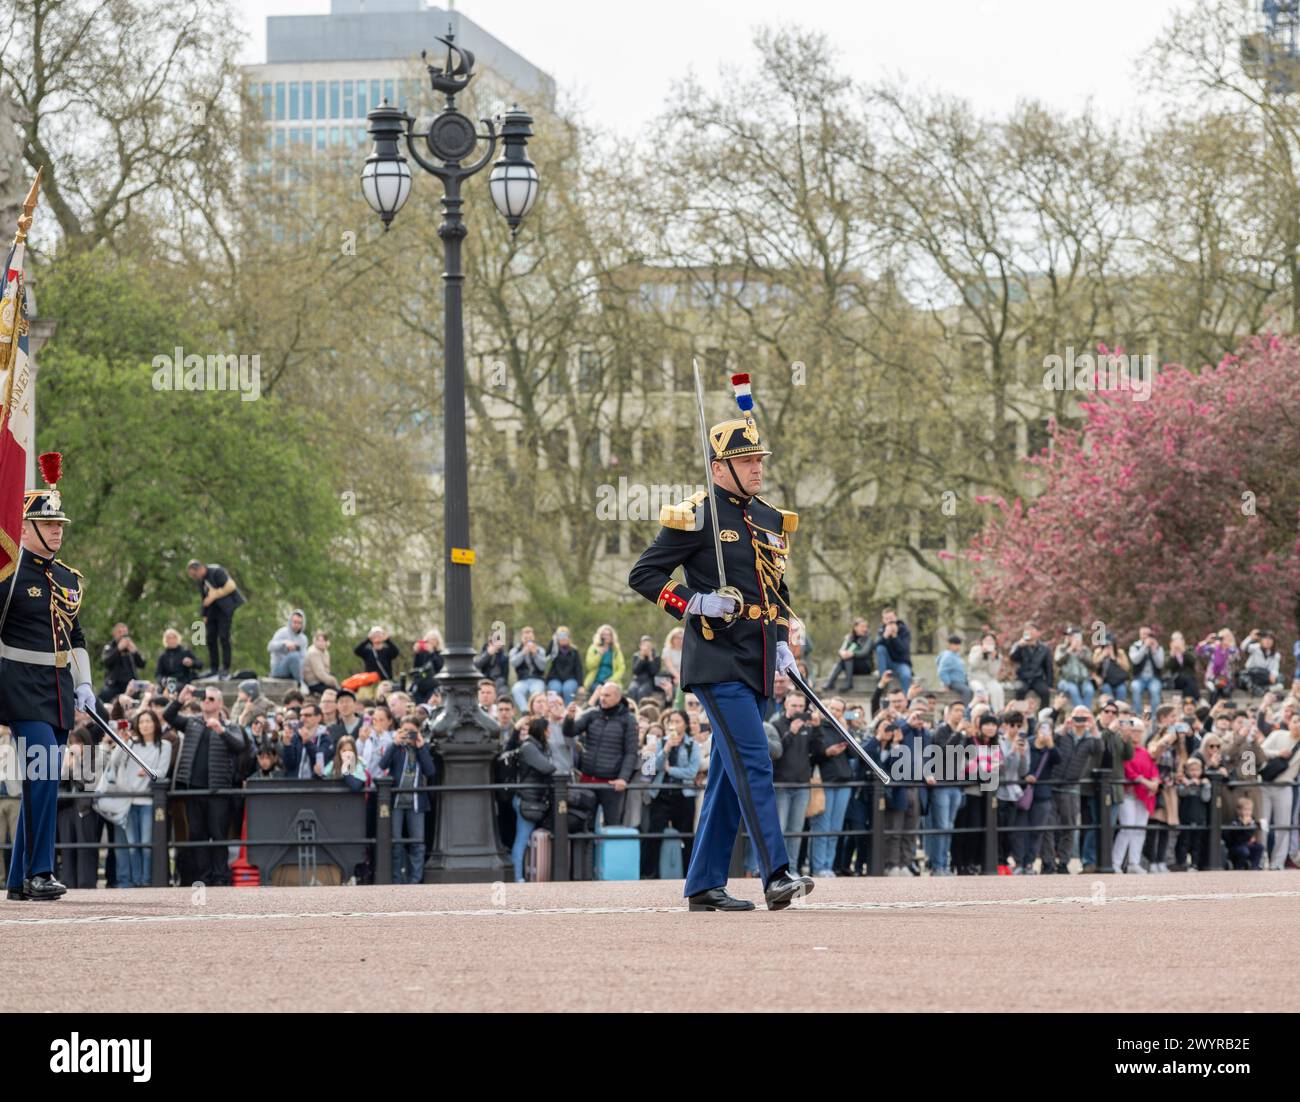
(132, 109)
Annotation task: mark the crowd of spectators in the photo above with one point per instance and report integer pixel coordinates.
(1036, 722)
(1032, 724)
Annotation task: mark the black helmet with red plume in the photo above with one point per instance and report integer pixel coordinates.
(46, 504)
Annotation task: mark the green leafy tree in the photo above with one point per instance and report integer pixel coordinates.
(155, 476)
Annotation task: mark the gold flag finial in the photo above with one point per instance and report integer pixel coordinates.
(29, 205)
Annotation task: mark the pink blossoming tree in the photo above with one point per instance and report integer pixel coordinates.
(1181, 512)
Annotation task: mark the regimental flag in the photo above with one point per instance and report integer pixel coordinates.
(17, 425)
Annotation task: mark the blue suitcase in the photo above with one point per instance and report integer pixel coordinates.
(670, 856)
(618, 853)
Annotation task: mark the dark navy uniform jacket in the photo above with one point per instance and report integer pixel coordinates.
(42, 617)
(746, 650)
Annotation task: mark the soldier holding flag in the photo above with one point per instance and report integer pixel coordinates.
(44, 667)
(44, 678)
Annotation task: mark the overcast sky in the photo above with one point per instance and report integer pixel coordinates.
(618, 60)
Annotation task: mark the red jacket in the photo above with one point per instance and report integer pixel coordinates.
(1141, 765)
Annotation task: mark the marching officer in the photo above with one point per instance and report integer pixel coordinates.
(730, 653)
(44, 679)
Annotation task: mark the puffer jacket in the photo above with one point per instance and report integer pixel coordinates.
(224, 748)
(1079, 756)
(608, 741)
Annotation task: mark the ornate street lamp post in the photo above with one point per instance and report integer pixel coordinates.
(467, 846)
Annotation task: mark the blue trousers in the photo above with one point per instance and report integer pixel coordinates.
(40, 751)
(523, 832)
(521, 690)
(288, 665)
(945, 802)
(1081, 693)
(408, 837)
(740, 787)
(134, 865)
(1091, 835)
(568, 689)
(1149, 685)
(823, 849)
(902, 670)
(791, 811)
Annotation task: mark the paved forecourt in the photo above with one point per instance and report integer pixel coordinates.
(952, 943)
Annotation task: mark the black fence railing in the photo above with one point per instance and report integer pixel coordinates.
(991, 830)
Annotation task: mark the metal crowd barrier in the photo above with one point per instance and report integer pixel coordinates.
(877, 834)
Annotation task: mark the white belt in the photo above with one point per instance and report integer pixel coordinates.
(35, 657)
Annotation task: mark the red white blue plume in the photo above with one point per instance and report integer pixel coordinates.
(744, 397)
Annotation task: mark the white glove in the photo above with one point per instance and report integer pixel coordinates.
(85, 697)
(711, 604)
(785, 658)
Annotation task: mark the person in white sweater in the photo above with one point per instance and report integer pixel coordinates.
(137, 830)
(983, 665)
(1282, 744)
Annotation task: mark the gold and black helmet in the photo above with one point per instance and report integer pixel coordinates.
(46, 503)
(730, 439)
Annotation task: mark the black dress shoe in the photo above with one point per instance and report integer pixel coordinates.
(15, 895)
(717, 899)
(43, 886)
(785, 889)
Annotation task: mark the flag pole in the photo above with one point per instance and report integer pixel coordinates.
(18, 250)
(9, 360)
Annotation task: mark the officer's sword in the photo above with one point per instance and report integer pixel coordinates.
(102, 723)
(806, 689)
(724, 590)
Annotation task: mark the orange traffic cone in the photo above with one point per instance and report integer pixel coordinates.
(242, 874)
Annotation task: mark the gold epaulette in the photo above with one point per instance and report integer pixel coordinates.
(74, 570)
(682, 515)
(789, 520)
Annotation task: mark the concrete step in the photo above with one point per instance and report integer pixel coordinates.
(272, 687)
